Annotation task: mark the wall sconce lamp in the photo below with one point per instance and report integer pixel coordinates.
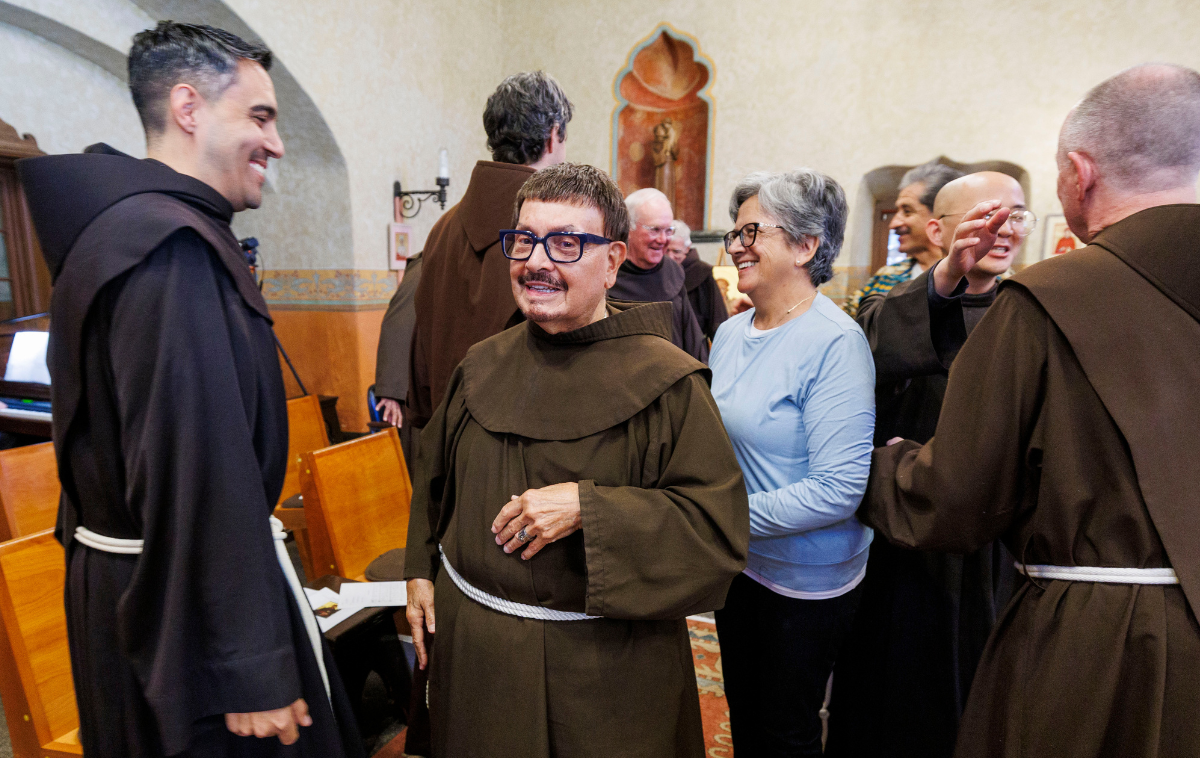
(407, 200)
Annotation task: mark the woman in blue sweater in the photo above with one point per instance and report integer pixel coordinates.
(795, 383)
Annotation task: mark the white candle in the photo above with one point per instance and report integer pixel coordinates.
(444, 164)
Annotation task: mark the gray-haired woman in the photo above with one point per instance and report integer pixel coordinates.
(794, 380)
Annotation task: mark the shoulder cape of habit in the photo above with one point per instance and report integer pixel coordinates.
(543, 386)
(1137, 286)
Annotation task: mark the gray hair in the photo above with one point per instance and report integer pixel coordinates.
(805, 203)
(1142, 127)
(638, 198)
(933, 176)
(682, 231)
(521, 115)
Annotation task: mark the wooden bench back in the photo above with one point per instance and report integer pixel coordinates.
(29, 490)
(306, 432)
(35, 663)
(356, 501)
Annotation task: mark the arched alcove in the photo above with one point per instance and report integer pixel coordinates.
(663, 121)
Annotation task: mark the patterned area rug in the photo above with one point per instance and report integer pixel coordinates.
(706, 655)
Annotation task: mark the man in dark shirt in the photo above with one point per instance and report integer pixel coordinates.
(649, 275)
(902, 682)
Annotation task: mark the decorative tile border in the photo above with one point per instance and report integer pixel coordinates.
(324, 288)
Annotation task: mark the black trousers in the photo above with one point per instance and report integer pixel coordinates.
(777, 653)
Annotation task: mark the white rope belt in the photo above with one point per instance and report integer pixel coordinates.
(1100, 574)
(508, 606)
(134, 547)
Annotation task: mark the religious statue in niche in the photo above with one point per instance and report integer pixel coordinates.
(665, 152)
(662, 126)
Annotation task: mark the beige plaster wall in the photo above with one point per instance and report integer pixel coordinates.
(848, 87)
(395, 83)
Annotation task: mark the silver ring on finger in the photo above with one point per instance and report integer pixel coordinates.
(522, 536)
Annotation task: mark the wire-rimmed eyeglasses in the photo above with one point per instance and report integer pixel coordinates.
(561, 247)
(658, 231)
(748, 234)
(1023, 221)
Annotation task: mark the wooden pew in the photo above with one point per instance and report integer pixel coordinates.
(356, 498)
(29, 490)
(35, 664)
(306, 432)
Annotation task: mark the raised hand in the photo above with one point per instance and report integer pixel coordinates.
(975, 235)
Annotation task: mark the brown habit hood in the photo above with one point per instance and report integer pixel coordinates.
(464, 296)
(1099, 298)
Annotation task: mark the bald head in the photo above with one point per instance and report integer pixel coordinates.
(963, 194)
(1141, 128)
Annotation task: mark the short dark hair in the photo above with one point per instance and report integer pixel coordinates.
(932, 176)
(173, 53)
(521, 114)
(583, 185)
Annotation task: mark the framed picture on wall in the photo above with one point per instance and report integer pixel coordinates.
(1058, 237)
(399, 242)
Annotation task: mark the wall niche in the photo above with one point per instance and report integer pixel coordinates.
(662, 124)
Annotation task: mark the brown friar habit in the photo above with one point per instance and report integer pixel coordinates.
(1069, 429)
(905, 670)
(394, 352)
(616, 408)
(663, 283)
(465, 295)
(703, 294)
(170, 425)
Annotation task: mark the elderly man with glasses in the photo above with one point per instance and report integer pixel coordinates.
(649, 275)
(902, 682)
(575, 499)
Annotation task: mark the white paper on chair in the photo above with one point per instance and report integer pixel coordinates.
(322, 597)
(27, 358)
(375, 594)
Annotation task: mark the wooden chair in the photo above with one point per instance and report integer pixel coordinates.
(29, 490)
(356, 499)
(35, 664)
(306, 432)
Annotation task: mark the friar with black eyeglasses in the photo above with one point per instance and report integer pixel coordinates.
(575, 498)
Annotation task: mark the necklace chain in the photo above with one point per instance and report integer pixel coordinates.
(802, 302)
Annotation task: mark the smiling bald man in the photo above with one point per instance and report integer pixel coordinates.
(925, 616)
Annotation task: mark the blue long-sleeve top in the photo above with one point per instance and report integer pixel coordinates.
(798, 402)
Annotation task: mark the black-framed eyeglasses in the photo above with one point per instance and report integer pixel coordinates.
(561, 247)
(747, 233)
(1023, 221)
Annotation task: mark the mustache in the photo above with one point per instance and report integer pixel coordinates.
(259, 155)
(541, 277)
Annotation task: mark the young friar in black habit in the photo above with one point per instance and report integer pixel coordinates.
(189, 633)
